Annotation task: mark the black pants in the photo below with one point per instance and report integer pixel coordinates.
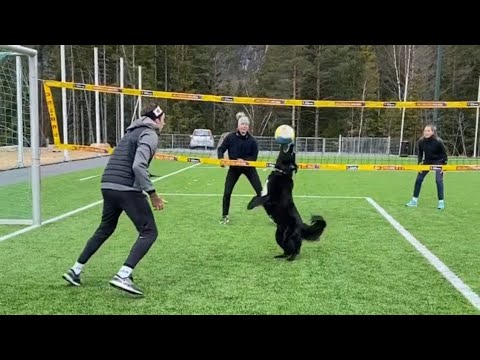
(438, 179)
(232, 177)
(137, 208)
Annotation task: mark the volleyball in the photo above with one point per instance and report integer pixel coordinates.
(284, 134)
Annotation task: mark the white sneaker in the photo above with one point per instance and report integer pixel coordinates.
(125, 284)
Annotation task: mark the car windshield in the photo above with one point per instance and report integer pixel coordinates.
(201, 133)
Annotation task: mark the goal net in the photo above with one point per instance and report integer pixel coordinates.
(14, 109)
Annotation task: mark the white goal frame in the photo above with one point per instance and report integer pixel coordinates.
(34, 133)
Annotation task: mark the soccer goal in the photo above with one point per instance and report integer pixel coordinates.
(19, 131)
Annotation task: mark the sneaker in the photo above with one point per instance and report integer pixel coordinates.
(411, 203)
(125, 284)
(225, 220)
(441, 205)
(72, 278)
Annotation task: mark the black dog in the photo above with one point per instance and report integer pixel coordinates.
(278, 201)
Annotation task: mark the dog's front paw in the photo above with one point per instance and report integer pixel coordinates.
(280, 256)
(253, 203)
(292, 257)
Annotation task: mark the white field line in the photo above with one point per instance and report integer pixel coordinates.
(89, 177)
(443, 269)
(251, 195)
(70, 213)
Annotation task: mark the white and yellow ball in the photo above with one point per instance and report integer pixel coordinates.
(284, 134)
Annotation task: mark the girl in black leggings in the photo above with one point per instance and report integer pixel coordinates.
(431, 151)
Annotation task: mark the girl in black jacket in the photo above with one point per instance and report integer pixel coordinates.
(431, 151)
(241, 145)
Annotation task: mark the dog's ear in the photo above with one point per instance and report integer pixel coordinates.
(287, 148)
(284, 147)
(290, 148)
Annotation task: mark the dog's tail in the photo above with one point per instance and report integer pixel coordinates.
(313, 231)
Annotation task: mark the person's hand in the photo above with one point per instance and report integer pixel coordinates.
(157, 201)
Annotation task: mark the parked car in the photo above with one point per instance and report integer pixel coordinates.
(202, 138)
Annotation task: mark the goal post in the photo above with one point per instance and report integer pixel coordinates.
(31, 54)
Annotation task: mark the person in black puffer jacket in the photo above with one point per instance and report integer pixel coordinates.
(124, 182)
(241, 145)
(431, 151)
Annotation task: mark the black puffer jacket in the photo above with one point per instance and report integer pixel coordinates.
(434, 150)
(239, 147)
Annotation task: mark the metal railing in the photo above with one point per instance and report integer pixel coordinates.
(340, 145)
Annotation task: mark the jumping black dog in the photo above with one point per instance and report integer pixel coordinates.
(278, 201)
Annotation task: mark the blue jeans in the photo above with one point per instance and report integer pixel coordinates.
(438, 179)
